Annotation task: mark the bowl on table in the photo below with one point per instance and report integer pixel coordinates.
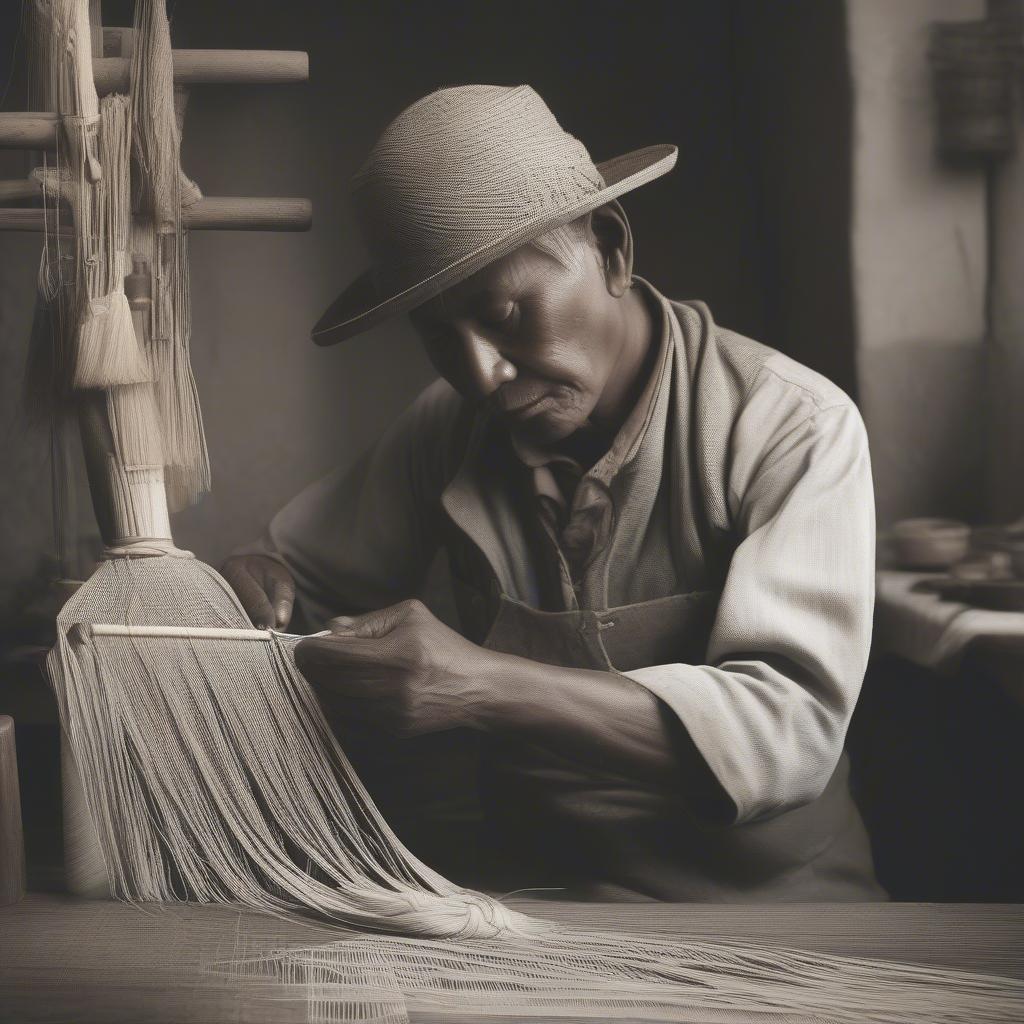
(928, 543)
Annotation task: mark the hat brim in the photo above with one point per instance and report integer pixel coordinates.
(359, 307)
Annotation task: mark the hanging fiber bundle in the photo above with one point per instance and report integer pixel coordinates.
(84, 339)
(160, 239)
(107, 350)
(89, 335)
(95, 343)
(99, 348)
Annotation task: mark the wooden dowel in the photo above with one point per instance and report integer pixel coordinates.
(82, 630)
(239, 213)
(21, 220)
(25, 188)
(20, 130)
(213, 213)
(213, 67)
(38, 130)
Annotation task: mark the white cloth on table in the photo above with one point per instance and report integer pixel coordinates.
(925, 629)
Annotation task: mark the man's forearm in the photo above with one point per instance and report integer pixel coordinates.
(602, 720)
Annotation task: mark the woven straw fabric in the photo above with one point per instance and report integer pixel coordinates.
(461, 178)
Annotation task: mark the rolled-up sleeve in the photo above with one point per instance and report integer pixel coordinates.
(789, 646)
(363, 537)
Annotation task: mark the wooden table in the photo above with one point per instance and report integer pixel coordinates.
(68, 960)
(937, 745)
(919, 626)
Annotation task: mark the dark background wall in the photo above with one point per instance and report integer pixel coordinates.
(753, 220)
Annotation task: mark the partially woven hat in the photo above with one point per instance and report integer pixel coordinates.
(458, 180)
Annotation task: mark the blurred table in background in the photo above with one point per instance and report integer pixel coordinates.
(937, 744)
(919, 626)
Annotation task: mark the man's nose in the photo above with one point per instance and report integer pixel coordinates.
(486, 369)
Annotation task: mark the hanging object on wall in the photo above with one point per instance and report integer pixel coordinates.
(162, 192)
(976, 69)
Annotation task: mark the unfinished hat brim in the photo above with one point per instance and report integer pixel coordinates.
(359, 307)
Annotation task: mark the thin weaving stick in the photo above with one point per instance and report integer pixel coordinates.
(85, 630)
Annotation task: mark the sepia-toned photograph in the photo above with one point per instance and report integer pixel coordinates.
(512, 511)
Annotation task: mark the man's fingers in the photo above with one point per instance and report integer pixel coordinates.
(336, 649)
(373, 624)
(376, 624)
(265, 588)
(253, 597)
(314, 650)
(281, 593)
(342, 662)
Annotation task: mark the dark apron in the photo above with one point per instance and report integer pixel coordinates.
(550, 822)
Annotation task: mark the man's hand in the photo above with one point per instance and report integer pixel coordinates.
(265, 588)
(402, 671)
(398, 669)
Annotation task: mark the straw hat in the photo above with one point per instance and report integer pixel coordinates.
(460, 179)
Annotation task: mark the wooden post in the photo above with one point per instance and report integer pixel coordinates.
(12, 845)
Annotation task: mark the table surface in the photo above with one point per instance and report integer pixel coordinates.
(927, 630)
(66, 959)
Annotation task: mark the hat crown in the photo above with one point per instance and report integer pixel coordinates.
(460, 169)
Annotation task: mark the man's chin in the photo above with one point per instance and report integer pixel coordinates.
(544, 429)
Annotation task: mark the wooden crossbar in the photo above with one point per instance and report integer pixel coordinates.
(212, 67)
(211, 213)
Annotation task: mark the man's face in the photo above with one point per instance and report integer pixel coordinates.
(534, 340)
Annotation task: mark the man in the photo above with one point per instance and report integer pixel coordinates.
(660, 536)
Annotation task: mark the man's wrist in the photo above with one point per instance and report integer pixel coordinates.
(498, 689)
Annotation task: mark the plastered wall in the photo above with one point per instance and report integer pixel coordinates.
(918, 241)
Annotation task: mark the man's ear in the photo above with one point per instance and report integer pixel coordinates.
(615, 243)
